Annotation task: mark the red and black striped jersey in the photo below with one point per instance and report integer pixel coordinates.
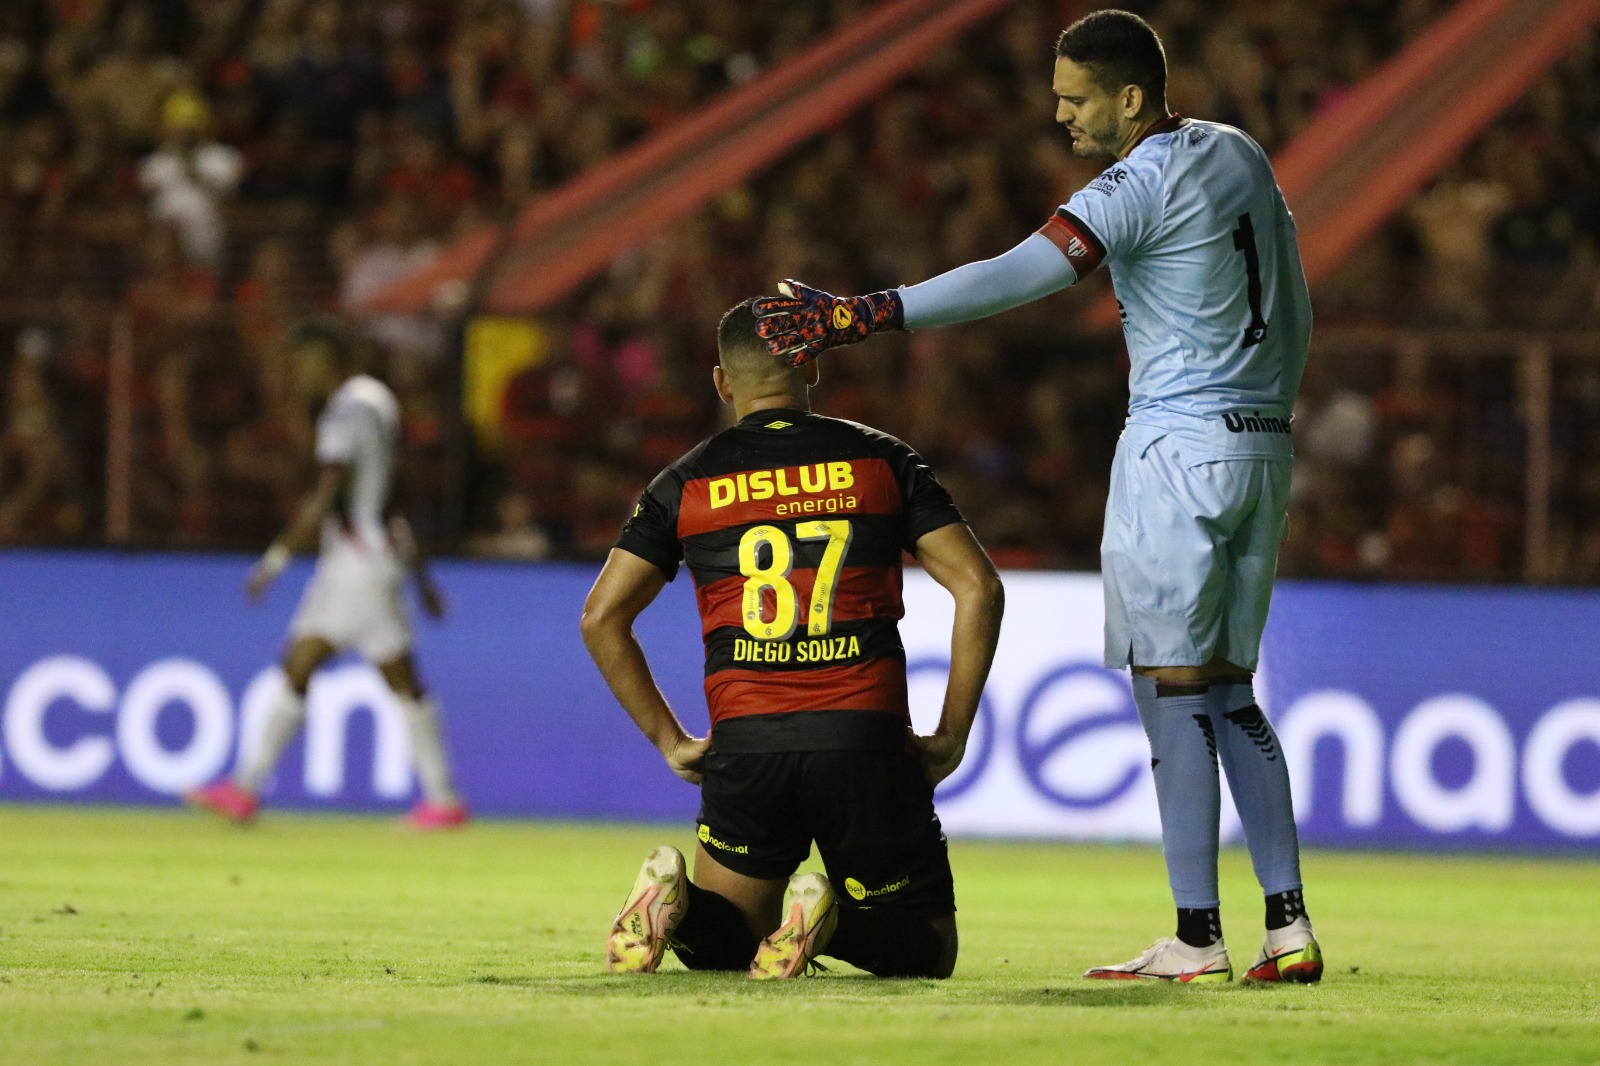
(792, 526)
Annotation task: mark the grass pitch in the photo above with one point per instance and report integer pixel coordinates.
(162, 937)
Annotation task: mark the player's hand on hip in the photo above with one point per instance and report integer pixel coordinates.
(940, 754)
(801, 323)
(687, 757)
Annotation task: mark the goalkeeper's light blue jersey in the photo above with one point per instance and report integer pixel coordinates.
(1207, 273)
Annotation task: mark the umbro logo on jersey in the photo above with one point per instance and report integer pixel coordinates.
(780, 424)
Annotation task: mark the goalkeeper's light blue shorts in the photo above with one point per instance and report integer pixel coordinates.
(1189, 552)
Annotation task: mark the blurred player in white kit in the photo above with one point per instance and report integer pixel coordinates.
(355, 597)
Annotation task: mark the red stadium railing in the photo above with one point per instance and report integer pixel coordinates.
(558, 240)
(1344, 175)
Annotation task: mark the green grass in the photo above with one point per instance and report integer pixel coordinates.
(162, 937)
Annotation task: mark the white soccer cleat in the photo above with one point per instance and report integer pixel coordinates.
(1170, 959)
(1290, 954)
(811, 913)
(644, 926)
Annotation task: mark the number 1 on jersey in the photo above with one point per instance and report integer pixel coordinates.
(1244, 239)
(775, 576)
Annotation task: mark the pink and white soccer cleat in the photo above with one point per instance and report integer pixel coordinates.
(811, 914)
(227, 799)
(644, 926)
(427, 816)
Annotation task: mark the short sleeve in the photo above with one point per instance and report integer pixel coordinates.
(1113, 216)
(160, 172)
(337, 430)
(651, 532)
(928, 505)
(220, 166)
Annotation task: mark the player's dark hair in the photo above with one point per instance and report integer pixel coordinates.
(739, 348)
(1119, 48)
(331, 332)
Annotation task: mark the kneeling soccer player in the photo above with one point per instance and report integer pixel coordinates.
(793, 526)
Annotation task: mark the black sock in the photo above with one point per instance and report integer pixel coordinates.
(1284, 907)
(713, 935)
(1199, 927)
(888, 942)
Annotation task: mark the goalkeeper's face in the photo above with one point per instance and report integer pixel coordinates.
(1098, 121)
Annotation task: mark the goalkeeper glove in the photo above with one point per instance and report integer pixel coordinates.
(803, 322)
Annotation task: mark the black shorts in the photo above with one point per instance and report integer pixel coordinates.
(870, 812)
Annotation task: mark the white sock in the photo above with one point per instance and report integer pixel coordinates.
(427, 749)
(282, 720)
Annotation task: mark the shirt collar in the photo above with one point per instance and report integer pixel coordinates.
(768, 413)
(1166, 125)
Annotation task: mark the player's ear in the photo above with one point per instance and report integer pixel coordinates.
(719, 378)
(813, 371)
(1132, 100)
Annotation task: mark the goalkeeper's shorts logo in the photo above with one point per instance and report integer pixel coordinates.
(842, 318)
(721, 845)
(859, 891)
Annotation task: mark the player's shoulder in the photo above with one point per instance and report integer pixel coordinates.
(682, 470)
(1185, 140)
(781, 438)
(364, 391)
(870, 440)
(798, 433)
(1213, 144)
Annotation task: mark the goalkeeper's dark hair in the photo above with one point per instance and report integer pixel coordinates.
(1119, 48)
(740, 350)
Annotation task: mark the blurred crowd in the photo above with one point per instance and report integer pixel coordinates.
(183, 180)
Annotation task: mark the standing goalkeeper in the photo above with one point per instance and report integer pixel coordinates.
(1217, 321)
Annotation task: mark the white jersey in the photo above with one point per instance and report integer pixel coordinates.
(1207, 273)
(360, 428)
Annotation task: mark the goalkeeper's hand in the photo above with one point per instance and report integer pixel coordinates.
(802, 322)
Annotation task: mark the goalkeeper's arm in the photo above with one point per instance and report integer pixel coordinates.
(803, 322)
(1033, 269)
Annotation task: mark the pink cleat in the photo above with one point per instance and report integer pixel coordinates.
(226, 799)
(427, 816)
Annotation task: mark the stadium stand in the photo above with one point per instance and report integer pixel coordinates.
(336, 147)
